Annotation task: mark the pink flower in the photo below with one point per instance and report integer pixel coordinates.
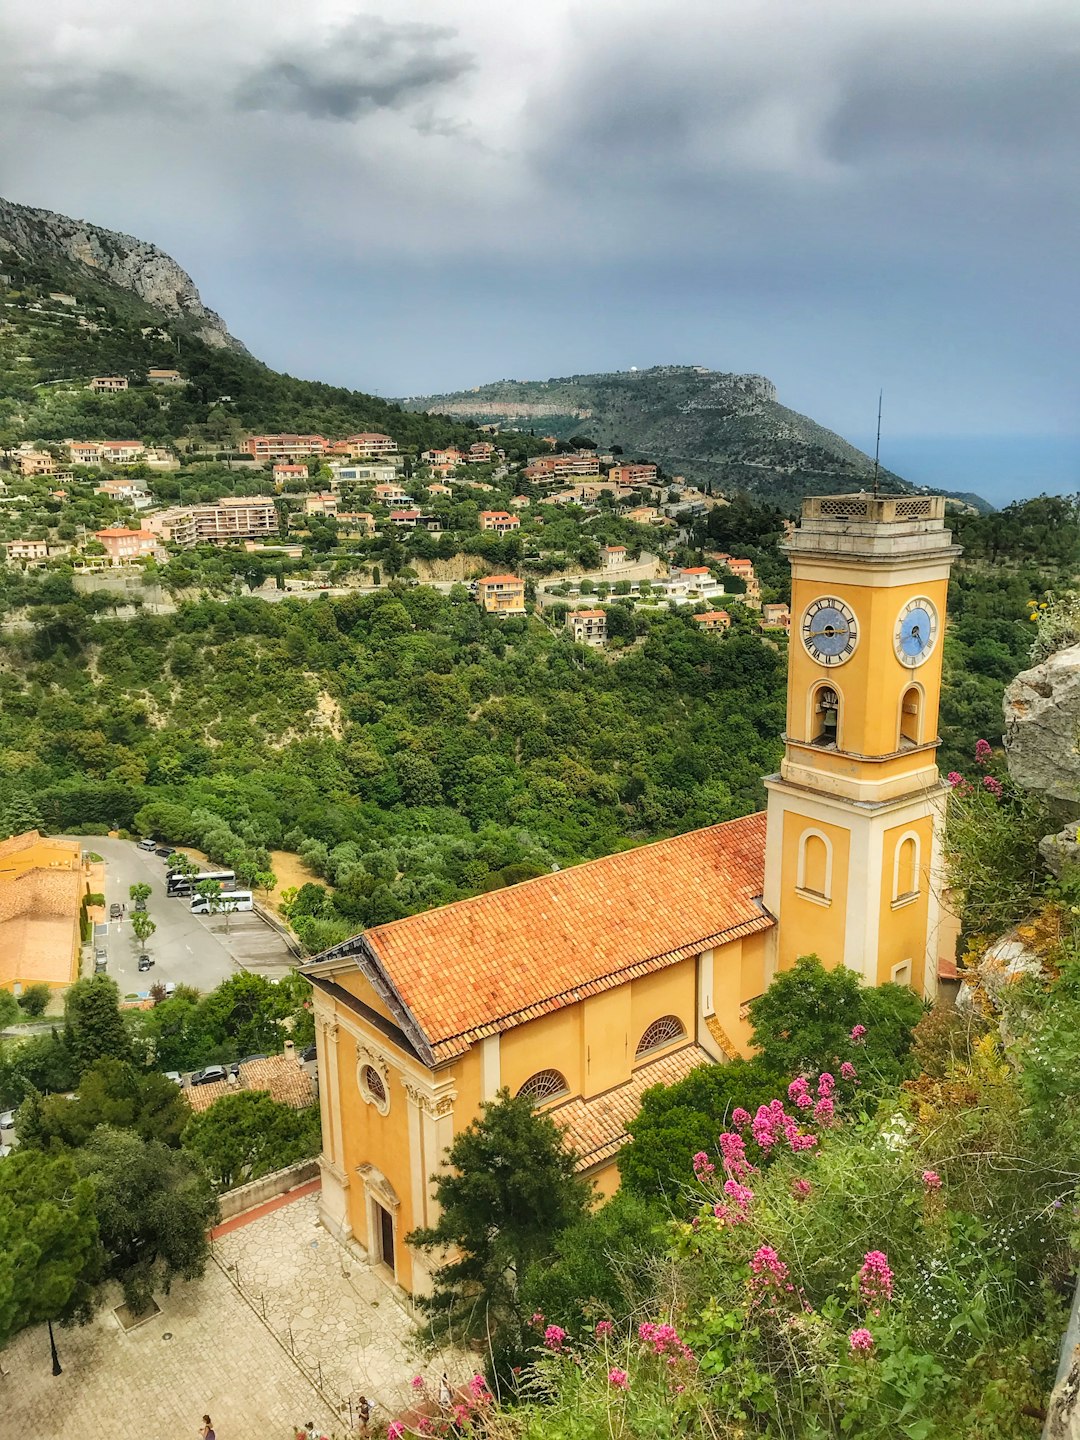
(861, 1341)
(740, 1117)
(801, 1189)
(804, 1101)
(954, 778)
(424, 1426)
(768, 1271)
(858, 1033)
(461, 1414)
(395, 1430)
(847, 1071)
(875, 1278)
(417, 1382)
(478, 1388)
(537, 1319)
(619, 1379)
(733, 1151)
(931, 1179)
(665, 1341)
(554, 1336)
(983, 752)
(603, 1327)
(703, 1166)
(994, 786)
(824, 1111)
(741, 1194)
(826, 1085)
(797, 1087)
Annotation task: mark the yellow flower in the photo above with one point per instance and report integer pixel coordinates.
(1034, 617)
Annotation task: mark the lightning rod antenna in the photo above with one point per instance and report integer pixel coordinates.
(877, 446)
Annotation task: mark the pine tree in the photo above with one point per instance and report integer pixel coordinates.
(93, 1024)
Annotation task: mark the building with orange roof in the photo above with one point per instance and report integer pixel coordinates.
(122, 545)
(108, 384)
(712, 620)
(588, 627)
(583, 988)
(499, 521)
(42, 884)
(501, 595)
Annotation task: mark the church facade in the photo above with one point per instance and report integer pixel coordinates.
(585, 987)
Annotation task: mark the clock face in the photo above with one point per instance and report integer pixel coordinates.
(830, 631)
(916, 632)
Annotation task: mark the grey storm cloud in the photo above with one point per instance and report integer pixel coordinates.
(112, 90)
(368, 64)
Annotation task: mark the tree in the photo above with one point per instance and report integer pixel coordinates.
(49, 1253)
(9, 1008)
(140, 892)
(111, 1092)
(211, 892)
(142, 926)
(34, 1000)
(508, 1190)
(153, 1208)
(93, 1024)
(248, 1134)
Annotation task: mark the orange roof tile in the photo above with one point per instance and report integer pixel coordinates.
(474, 968)
(500, 580)
(595, 1129)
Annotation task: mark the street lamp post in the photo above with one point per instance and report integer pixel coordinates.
(57, 1368)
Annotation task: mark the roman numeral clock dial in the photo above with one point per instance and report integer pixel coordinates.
(830, 631)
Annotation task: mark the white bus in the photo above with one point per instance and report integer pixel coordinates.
(229, 900)
(180, 884)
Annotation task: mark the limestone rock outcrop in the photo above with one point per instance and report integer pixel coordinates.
(123, 260)
(1042, 729)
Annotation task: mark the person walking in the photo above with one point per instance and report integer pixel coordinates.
(363, 1411)
(206, 1429)
(446, 1397)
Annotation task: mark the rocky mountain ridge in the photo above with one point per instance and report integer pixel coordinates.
(123, 260)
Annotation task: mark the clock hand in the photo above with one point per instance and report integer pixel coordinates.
(829, 630)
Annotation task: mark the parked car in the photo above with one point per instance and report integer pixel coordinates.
(116, 910)
(7, 1119)
(145, 962)
(165, 851)
(174, 1076)
(147, 844)
(101, 960)
(311, 1053)
(170, 989)
(209, 1076)
(140, 904)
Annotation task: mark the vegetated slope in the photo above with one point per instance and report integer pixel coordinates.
(710, 426)
(136, 309)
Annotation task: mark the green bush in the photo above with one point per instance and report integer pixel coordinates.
(34, 1000)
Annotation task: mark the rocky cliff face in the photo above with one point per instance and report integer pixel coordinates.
(123, 260)
(1042, 728)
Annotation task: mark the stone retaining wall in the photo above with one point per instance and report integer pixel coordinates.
(246, 1197)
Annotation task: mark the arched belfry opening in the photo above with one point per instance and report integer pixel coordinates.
(911, 714)
(825, 716)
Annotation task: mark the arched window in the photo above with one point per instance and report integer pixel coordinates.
(911, 705)
(544, 1085)
(373, 1084)
(814, 874)
(661, 1032)
(824, 715)
(906, 862)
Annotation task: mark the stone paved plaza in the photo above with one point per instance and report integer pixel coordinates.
(222, 1356)
(324, 1302)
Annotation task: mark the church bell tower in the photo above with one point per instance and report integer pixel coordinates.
(853, 856)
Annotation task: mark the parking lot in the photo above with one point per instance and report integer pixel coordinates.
(198, 950)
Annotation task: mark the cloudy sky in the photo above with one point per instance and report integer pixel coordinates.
(427, 195)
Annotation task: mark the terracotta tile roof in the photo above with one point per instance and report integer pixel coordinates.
(596, 1129)
(201, 1097)
(500, 580)
(480, 966)
(287, 1082)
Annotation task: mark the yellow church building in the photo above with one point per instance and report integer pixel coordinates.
(585, 987)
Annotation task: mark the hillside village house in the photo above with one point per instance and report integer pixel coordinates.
(120, 489)
(239, 517)
(121, 452)
(501, 594)
(84, 452)
(443, 461)
(324, 504)
(588, 627)
(614, 556)
(42, 883)
(520, 502)
(284, 447)
(36, 462)
(282, 474)
(390, 493)
(548, 468)
(165, 377)
(775, 617)
(484, 453)
(356, 522)
(31, 552)
(406, 518)
(499, 521)
(371, 444)
(372, 474)
(122, 545)
(438, 488)
(583, 988)
(633, 476)
(108, 384)
(712, 620)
